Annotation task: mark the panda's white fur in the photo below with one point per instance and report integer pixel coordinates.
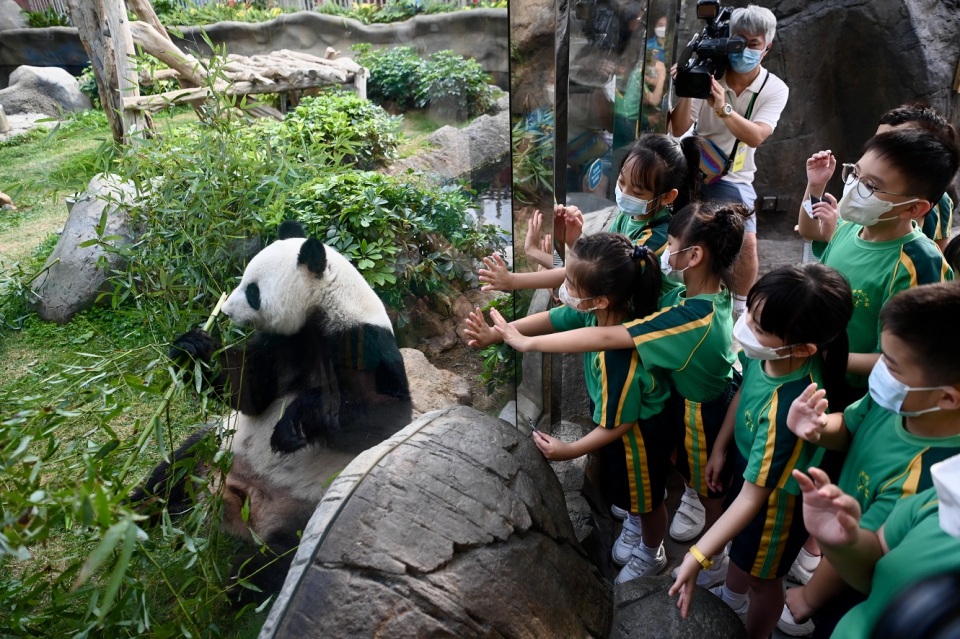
(287, 294)
(303, 298)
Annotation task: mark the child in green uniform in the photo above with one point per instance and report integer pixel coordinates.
(920, 539)
(793, 333)
(657, 174)
(610, 280)
(690, 341)
(816, 224)
(909, 421)
(877, 244)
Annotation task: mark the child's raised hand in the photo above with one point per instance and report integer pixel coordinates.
(830, 515)
(551, 447)
(806, 417)
(478, 331)
(820, 168)
(573, 223)
(686, 583)
(508, 332)
(496, 277)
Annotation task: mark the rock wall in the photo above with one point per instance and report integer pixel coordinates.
(479, 33)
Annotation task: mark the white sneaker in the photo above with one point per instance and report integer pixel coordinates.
(803, 567)
(618, 513)
(690, 518)
(709, 577)
(790, 626)
(641, 565)
(741, 611)
(627, 541)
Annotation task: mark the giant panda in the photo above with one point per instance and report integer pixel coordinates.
(320, 380)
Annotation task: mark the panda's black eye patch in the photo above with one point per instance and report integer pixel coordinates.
(253, 296)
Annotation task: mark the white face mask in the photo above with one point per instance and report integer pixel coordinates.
(946, 479)
(889, 393)
(573, 302)
(752, 346)
(668, 271)
(661, 32)
(631, 205)
(865, 211)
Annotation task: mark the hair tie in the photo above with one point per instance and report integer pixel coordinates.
(640, 252)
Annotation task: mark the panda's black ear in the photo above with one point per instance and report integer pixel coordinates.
(313, 254)
(291, 228)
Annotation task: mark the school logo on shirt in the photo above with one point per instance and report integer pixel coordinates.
(860, 299)
(863, 484)
(748, 420)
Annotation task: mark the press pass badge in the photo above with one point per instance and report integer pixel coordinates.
(739, 159)
(594, 174)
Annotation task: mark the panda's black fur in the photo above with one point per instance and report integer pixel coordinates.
(320, 381)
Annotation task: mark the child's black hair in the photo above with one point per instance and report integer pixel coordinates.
(809, 304)
(919, 115)
(717, 227)
(662, 164)
(927, 160)
(918, 317)
(628, 274)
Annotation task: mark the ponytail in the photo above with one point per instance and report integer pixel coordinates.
(718, 228)
(690, 146)
(647, 282)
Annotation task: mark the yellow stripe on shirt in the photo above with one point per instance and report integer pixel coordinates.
(625, 391)
(771, 442)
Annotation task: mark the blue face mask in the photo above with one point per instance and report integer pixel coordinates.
(745, 61)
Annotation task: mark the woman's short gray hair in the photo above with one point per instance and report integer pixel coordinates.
(754, 20)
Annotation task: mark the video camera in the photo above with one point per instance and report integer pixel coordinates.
(711, 47)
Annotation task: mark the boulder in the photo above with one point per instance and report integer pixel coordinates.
(48, 90)
(478, 148)
(642, 608)
(11, 16)
(71, 278)
(432, 388)
(454, 527)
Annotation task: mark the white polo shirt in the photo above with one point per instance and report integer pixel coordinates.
(767, 109)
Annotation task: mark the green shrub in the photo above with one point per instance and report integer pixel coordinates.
(344, 120)
(173, 14)
(500, 362)
(405, 239)
(454, 83)
(48, 17)
(456, 87)
(394, 74)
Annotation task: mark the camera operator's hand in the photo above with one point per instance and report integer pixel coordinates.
(820, 168)
(673, 72)
(718, 96)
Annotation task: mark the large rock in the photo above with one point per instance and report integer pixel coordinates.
(71, 278)
(642, 608)
(432, 388)
(48, 90)
(11, 16)
(482, 145)
(454, 527)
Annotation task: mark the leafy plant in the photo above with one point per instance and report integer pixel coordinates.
(394, 74)
(533, 154)
(448, 82)
(455, 83)
(500, 361)
(173, 14)
(406, 240)
(47, 17)
(337, 118)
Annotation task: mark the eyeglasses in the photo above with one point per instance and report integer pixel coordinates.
(849, 173)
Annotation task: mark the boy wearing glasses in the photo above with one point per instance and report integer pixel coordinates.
(877, 244)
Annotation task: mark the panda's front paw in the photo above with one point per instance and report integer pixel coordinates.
(195, 345)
